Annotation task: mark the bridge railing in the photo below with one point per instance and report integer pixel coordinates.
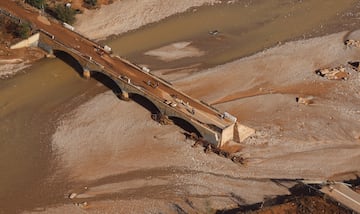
(160, 100)
(6, 13)
(168, 84)
(78, 53)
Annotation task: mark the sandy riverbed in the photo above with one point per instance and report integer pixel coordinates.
(130, 163)
(293, 140)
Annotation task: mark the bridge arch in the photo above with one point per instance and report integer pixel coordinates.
(107, 81)
(146, 103)
(185, 125)
(69, 59)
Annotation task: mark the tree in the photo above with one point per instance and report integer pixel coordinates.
(36, 3)
(23, 30)
(65, 14)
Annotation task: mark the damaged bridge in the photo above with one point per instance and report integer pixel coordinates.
(132, 81)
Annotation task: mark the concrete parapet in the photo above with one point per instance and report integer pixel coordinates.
(32, 41)
(227, 134)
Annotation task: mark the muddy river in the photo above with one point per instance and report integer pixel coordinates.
(243, 29)
(32, 103)
(29, 106)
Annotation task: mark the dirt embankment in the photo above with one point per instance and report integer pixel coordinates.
(119, 159)
(130, 15)
(13, 61)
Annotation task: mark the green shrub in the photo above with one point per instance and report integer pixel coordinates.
(36, 3)
(23, 30)
(65, 14)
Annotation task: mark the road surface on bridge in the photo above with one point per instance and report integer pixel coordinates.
(343, 194)
(119, 67)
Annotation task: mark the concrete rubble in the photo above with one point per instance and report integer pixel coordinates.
(337, 73)
(355, 65)
(352, 43)
(305, 100)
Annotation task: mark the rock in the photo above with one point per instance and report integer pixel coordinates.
(305, 100)
(352, 43)
(72, 195)
(337, 73)
(82, 205)
(355, 65)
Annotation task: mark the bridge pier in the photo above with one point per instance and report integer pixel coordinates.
(86, 73)
(124, 95)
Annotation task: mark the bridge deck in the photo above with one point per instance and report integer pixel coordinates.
(119, 67)
(344, 195)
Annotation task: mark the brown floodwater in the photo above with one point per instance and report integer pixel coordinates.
(244, 28)
(31, 103)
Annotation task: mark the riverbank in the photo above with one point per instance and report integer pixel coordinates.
(9, 68)
(122, 158)
(15, 61)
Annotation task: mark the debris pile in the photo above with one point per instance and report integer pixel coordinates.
(210, 148)
(162, 119)
(355, 65)
(305, 100)
(73, 197)
(352, 43)
(337, 73)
